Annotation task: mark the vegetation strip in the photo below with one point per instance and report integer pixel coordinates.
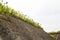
(5, 10)
(58, 32)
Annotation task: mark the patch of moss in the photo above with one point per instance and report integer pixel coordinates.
(5, 10)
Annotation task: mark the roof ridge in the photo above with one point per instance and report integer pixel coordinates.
(7, 11)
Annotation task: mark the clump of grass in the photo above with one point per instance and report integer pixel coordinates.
(5, 10)
(58, 32)
(52, 34)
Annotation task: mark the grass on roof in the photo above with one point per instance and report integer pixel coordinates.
(58, 32)
(7, 11)
(53, 33)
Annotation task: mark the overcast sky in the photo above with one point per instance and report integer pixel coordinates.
(45, 12)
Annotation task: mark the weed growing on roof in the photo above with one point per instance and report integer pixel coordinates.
(5, 10)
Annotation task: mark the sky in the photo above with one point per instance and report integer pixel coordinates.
(45, 12)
